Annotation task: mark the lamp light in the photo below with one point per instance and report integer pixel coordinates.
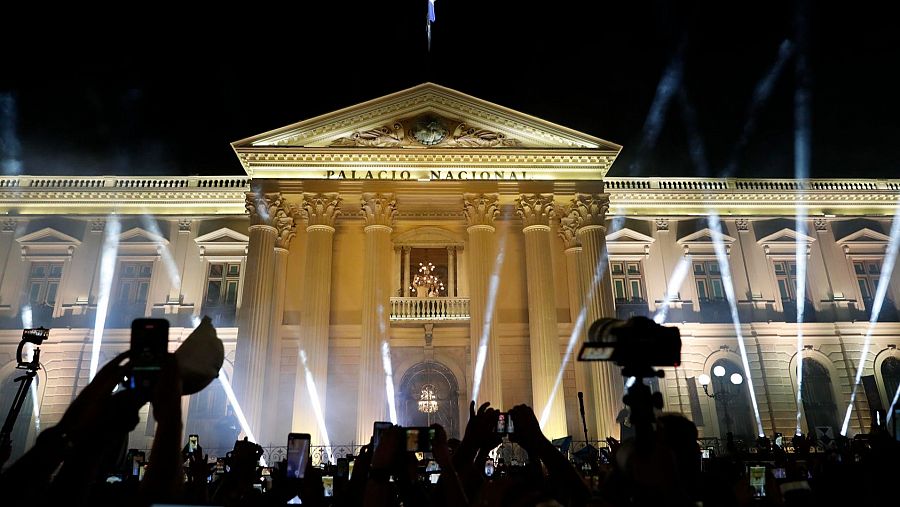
(704, 379)
(737, 379)
(719, 371)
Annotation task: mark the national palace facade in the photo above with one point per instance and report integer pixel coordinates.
(411, 240)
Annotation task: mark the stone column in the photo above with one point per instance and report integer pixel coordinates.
(272, 426)
(378, 211)
(606, 379)
(255, 315)
(567, 231)
(451, 271)
(406, 276)
(320, 211)
(481, 210)
(536, 211)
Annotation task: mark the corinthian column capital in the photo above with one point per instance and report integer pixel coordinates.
(320, 210)
(285, 227)
(481, 209)
(378, 209)
(264, 208)
(568, 226)
(590, 210)
(535, 210)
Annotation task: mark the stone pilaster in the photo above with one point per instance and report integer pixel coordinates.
(606, 379)
(548, 398)
(320, 212)
(256, 309)
(568, 226)
(378, 211)
(480, 211)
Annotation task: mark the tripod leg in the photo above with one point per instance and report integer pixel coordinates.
(18, 401)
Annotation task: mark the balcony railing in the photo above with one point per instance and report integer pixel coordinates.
(429, 309)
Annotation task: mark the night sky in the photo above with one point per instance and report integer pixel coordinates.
(164, 91)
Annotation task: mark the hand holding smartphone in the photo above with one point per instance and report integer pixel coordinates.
(378, 429)
(418, 439)
(149, 346)
(297, 455)
(505, 424)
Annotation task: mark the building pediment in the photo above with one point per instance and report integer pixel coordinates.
(864, 235)
(431, 127)
(785, 235)
(705, 235)
(628, 236)
(138, 235)
(223, 243)
(48, 236)
(47, 243)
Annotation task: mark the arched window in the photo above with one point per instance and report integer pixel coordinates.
(429, 394)
(818, 398)
(890, 375)
(211, 417)
(732, 402)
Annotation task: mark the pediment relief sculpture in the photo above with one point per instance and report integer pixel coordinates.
(427, 130)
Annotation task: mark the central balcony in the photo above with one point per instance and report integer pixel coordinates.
(424, 309)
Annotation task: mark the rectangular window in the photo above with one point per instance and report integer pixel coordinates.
(222, 281)
(708, 278)
(43, 283)
(786, 277)
(867, 275)
(133, 286)
(628, 281)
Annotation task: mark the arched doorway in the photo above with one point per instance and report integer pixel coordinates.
(890, 375)
(435, 385)
(818, 397)
(733, 408)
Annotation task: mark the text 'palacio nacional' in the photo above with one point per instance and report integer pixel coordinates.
(400, 245)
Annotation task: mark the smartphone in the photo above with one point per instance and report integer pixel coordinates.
(505, 423)
(193, 442)
(434, 477)
(137, 461)
(704, 453)
(779, 473)
(758, 480)
(328, 485)
(297, 455)
(149, 346)
(418, 439)
(897, 424)
(779, 440)
(378, 429)
(343, 469)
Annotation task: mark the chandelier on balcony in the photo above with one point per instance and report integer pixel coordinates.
(426, 283)
(427, 400)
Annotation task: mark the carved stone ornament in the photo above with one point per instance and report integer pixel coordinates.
(97, 225)
(382, 137)
(378, 209)
(481, 209)
(264, 208)
(184, 225)
(590, 209)
(742, 224)
(321, 209)
(535, 209)
(427, 130)
(568, 225)
(662, 224)
(820, 224)
(9, 225)
(285, 226)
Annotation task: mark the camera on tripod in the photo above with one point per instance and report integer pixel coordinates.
(635, 344)
(28, 354)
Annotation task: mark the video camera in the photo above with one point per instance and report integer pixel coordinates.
(28, 354)
(636, 343)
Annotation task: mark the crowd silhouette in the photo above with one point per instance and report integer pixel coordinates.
(78, 462)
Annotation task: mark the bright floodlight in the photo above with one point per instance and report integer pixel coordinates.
(719, 371)
(704, 379)
(737, 379)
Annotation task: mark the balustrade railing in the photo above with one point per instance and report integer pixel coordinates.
(427, 309)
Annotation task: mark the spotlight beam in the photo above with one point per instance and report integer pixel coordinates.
(578, 326)
(728, 285)
(317, 405)
(229, 393)
(678, 276)
(107, 270)
(887, 269)
(481, 357)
